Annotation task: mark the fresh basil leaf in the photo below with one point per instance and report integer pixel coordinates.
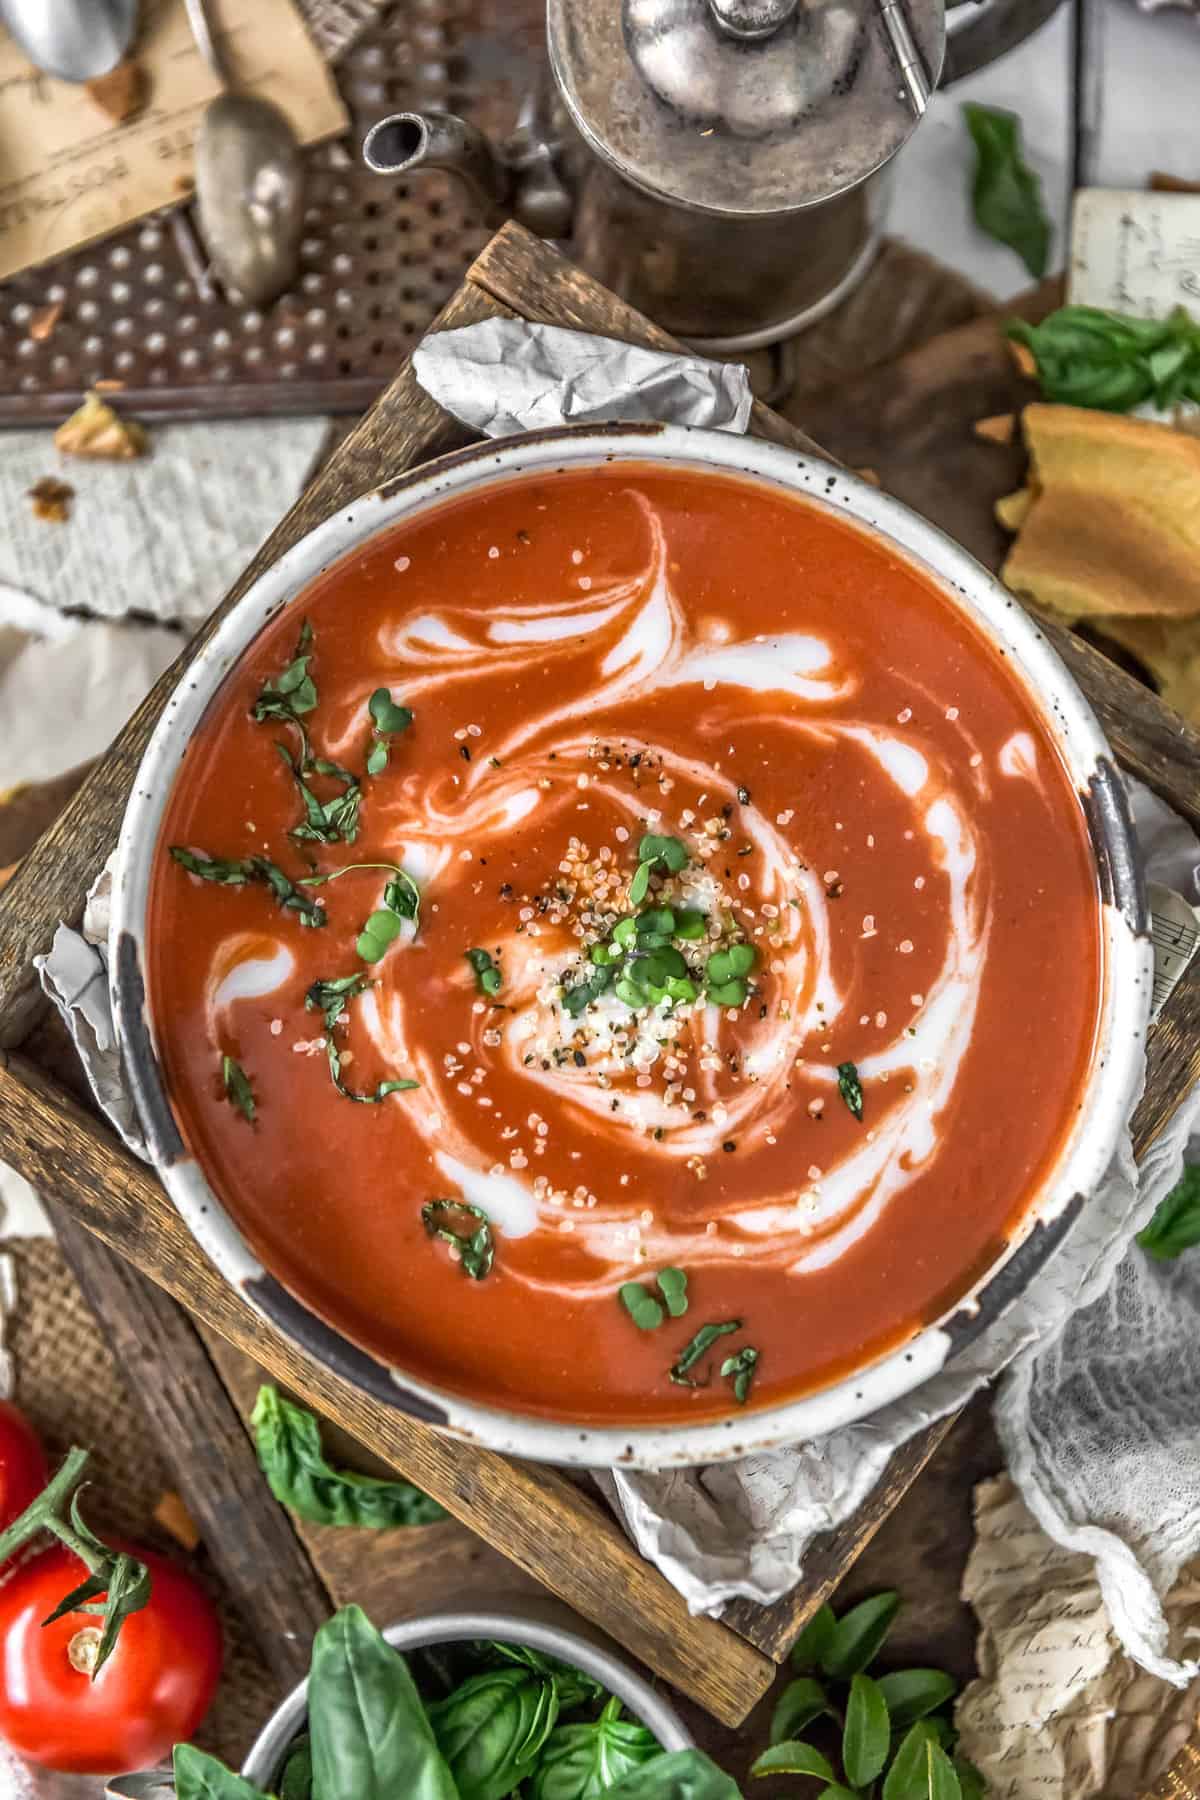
(867, 1733)
(640, 885)
(740, 1368)
(199, 1776)
(296, 1781)
(488, 978)
(942, 1780)
(792, 1758)
(577, 999)
(908, 1775)
(850, 1087)
(810, 1647)
(971, 1783)
(911, 1693)
(675, 1775)
(1175, 1226)
(493, 1728)
(856, 1638)
(574, 1687)
(1088, 357)
(801, 1701)
(476, 1249)
(1007, 195)
(835, 1791)
(287, 1438)
(380, 930)
(330, 999)
(691, 1353)
(581, 1762)
(728, 965)
(292, 694)
(370, 1734)
(642, 1307)
(377, 757)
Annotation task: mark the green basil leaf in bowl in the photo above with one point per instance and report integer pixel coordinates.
(492, 1729)
(676, 1775)
(370, 1734)
(582, 1761)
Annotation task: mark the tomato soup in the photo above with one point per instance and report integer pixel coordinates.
(623, 946)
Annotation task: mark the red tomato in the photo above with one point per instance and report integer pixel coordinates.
(23, 1472)
(151, 1693)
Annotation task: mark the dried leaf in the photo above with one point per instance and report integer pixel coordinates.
(175, 1519)
(96, 430)
(870, 476)
(1023, 356)
(121, 93)
(1114, 528)
(44, 320)
(1162, 183)
(51, 500)
(1013, 509)
(999, 428)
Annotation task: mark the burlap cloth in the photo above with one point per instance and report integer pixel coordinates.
(68, 1382)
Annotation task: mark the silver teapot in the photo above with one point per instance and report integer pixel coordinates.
(721, 164)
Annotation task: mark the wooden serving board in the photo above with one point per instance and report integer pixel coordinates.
(551, 1528)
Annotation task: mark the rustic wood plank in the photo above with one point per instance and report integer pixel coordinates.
(204, 1444)
(535, 1515)
(404, 427)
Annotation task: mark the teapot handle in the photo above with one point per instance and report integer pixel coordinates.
(987, 29)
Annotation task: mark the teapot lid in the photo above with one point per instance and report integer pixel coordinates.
(746, 107)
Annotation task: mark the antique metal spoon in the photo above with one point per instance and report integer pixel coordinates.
(77, 40)
(249, 182)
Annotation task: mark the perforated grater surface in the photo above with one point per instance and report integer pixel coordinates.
(378, 257)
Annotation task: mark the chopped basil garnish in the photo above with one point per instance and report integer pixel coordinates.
(642, 1307)
(741, 1368)
(325, 821)
(292, 694)
(331, 998)
(850, 1088)
(237, 1088)
(389, 721)
(576, 999)
(703, 1341)
(487, 975)
(253, 868)
(474, 1244)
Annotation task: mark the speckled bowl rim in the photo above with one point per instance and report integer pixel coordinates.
(1106, 1100)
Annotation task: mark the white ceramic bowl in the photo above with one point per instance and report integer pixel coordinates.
(1111, 1083)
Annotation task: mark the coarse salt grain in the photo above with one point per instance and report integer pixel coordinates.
(401, 563)
(917, 999)
(276, 1027)
(493, 551)
(906, 946)
(952, 713)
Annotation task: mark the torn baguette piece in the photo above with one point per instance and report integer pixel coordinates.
(1112, 524)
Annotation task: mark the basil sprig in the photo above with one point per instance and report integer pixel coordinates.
(1111, 362)
(587, 1758)
(474, 1243)
(1176, 1223)
(325, 821)
(252, 869)
(740, 1368)
(1006, 194)
(891, 1726)
(287, 1439)
(331, 998)
(401, 900)
(389, 721)
(237, 1087)
(292, 693)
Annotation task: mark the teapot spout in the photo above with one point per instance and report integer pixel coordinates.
(406, 141)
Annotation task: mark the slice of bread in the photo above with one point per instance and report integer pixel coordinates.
(1113, 527)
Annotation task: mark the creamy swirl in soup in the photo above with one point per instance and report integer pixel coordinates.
(714, 885)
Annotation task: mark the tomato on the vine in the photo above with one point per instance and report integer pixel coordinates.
(151, 1693)
(23, 1472)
